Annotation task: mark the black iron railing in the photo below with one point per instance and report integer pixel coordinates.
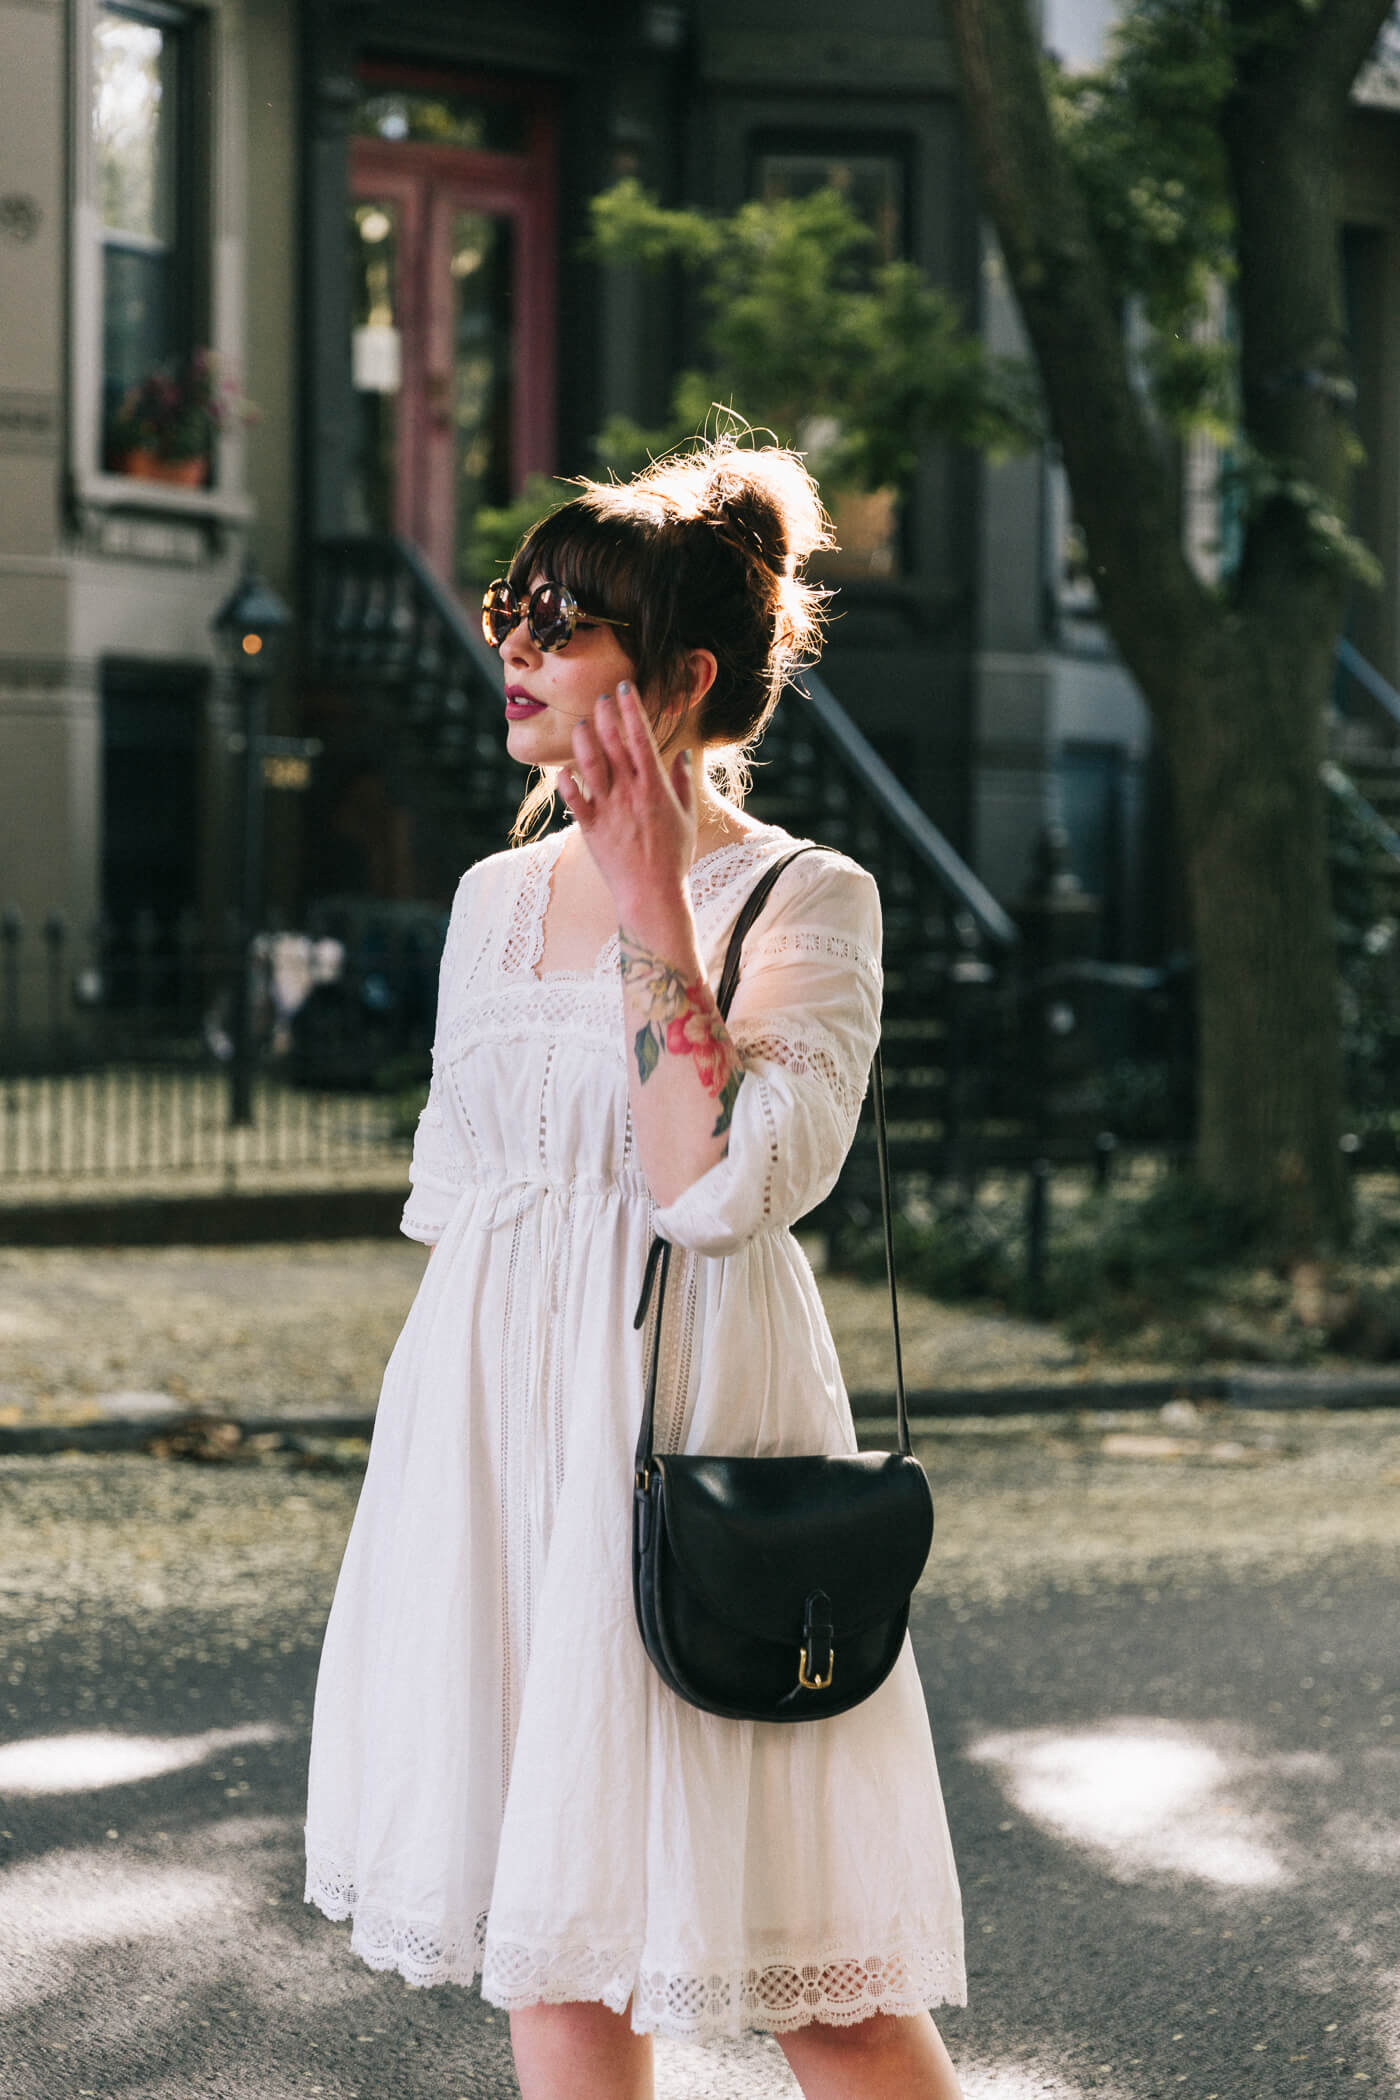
(1356, 671)
(382, 628)
(117, 1053)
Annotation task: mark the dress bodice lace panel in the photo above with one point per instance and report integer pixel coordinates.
(805, 1018)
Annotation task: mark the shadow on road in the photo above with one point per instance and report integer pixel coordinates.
(1171, 1780)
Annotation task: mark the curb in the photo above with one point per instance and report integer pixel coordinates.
(229, 1219)
(1248, 1389)
(136, 1432)
(1242, 1389)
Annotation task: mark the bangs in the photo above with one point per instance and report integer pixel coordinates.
(595, 558)
(614, 552)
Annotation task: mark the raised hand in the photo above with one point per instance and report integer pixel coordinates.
(637, 816)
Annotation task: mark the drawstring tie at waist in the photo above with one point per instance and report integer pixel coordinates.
(501, 1204)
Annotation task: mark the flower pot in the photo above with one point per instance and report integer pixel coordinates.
(176, 473)
(867, 527)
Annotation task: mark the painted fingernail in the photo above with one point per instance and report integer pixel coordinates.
(624, 687)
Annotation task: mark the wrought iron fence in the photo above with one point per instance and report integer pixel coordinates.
(117, 1058)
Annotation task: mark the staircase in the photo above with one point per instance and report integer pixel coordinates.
(409, 671)
(1363, 770)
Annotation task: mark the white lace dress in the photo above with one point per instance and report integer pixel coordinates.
(499, 1781)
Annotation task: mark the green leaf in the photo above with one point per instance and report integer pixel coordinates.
(648, 1049)
(727, 1099)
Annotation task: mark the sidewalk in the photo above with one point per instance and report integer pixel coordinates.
(105, 1347)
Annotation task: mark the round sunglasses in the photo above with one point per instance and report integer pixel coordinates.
(551, 613)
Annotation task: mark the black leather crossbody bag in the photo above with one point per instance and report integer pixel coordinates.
(776, 1589)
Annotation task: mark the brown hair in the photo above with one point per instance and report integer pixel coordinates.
(703, 550)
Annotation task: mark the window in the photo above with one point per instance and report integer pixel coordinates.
(143, 109)
(871, 173)
(442, 116)
(872, 182)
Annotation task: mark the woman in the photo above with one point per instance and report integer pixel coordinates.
(499, 1781)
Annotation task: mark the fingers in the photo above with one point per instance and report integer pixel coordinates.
(636, 730)
(615, 755)
(567, 788)
(622, 730)
(640, 746)
(592, 762)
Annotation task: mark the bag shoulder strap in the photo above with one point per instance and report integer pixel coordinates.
(659, 1256)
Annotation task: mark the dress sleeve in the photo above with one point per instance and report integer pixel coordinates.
(806, 1021)
(434, 1175)
(431, 1191)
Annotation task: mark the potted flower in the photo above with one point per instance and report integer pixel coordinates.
(166, 425)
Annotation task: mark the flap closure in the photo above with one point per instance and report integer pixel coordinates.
(756, 1536)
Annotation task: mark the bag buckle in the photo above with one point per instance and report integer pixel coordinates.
(816, 1684)
(817, 1653)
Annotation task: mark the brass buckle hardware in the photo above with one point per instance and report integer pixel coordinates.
(815, 1684)
(643, 1479)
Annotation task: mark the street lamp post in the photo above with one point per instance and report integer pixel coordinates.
(250, 626)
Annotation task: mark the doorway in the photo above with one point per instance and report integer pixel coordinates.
(152, 836)
(452, 251)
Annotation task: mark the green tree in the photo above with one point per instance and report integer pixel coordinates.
(1208, 149)
(860, 363)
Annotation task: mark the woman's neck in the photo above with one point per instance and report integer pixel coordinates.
(719, 823)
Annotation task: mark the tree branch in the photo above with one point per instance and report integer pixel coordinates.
(1320, 60)
(1122, 492)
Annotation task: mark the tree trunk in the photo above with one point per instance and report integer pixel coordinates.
(1239, 691)
(1253, 838)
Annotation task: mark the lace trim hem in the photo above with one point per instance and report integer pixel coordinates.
(422, 1953)
(784, 1991)
(788, 1988)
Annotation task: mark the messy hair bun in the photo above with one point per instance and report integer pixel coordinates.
(705, 549)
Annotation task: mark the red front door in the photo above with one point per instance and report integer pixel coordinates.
(452, 245)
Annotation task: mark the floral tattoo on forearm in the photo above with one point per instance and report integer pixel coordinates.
(683, 1021)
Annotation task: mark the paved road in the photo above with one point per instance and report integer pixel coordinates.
(87, 1332)
(1161, 1662)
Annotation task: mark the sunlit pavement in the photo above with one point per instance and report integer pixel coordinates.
(1162, 1672)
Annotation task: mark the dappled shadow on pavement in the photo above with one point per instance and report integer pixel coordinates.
(1174, 1784)
(1170, 1767)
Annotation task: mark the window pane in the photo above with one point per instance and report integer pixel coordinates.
(421, 117)
(138, 316)
(143, 197)
(134, 119)
(481, 266)
(871, 183)
(376, 347)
